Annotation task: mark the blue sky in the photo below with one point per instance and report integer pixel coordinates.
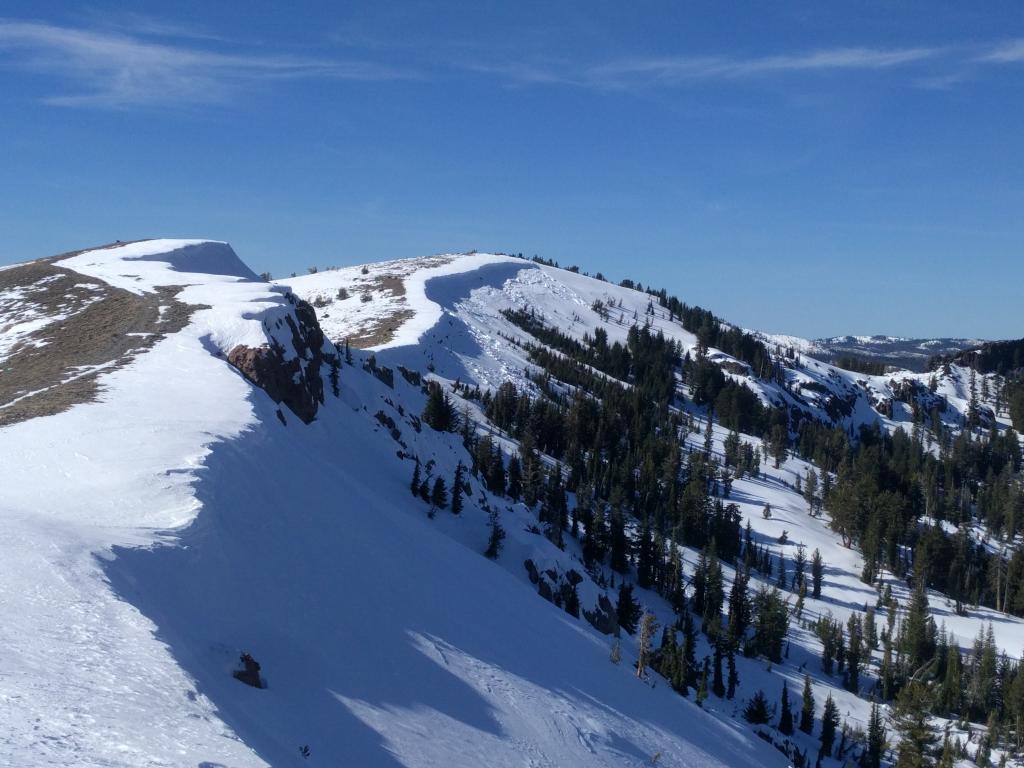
(807, 168)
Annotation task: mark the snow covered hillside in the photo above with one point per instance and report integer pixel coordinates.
(200, 465)
(179, 516)
(472, 343)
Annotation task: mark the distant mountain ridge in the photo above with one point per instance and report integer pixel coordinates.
(912, 354)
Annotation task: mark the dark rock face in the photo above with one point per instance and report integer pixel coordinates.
(603, 617)
(250, 672)
(296, 382)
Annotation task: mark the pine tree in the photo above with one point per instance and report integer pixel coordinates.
(817, 574)
(786, 717)
(457, 489)
(414, 486)
(949, 756)
(771, 621)
(514, 488)
(733, 676)
(918, 627)
(811, 490)
(799, 566)
(829, 723)
(439, 494)
(739, 603)
(853, 652)
(757, 711)
(702, 688)
(718, 682)
(438, 412)
(916, 737)
(807, 707)
(688, 652)
(497, 535)
(618, 542)
(628, 610)
(875, 739)
(951, 693)
(648, 628)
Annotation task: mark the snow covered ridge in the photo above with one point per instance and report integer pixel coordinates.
(262, 330)
(154, 533)
(407, 298)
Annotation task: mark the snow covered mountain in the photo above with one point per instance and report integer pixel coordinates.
(199, 465)
(895, 351)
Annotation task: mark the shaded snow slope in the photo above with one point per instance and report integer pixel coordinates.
(383, 641)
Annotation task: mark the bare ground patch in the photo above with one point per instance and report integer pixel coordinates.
(101, 328)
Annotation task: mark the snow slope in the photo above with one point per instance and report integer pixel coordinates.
(472, 342)
(151, 536)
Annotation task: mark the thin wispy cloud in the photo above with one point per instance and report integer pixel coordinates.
(677, 69)
(118, 70)
(142, 61)
(1005, 53)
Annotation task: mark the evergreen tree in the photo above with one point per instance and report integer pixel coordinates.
(918, 628)
(757, 710)
(733, 676)
(853, 652)
(514, 488)
(829, 723)
(688, 653)
(414, 486)
(771, 621)
(439, 494)
(911, 723)
(786, 718)
(438, 412)
(811, 490)
(702, 687)
(618, 542)
(875, 739)
(458, 484)
(628, 609)
(950, 694)
(807, 707)
(648, 628)
(718, 680)
(817, 574)
(497, 535)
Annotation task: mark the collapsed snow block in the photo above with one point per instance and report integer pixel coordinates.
(250, 672)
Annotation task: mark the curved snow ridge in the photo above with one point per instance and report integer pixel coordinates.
(142, 266)
(428, 309)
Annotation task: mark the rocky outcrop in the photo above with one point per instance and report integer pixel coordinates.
(603, 617)
(295, 381)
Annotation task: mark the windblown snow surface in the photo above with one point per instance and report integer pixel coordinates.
(150, 537)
